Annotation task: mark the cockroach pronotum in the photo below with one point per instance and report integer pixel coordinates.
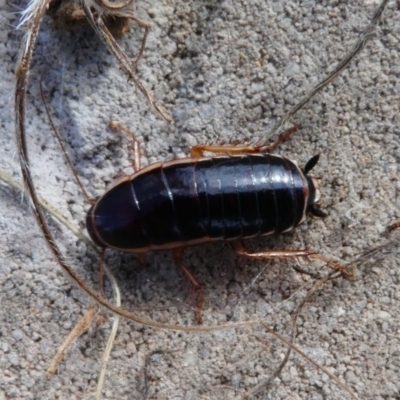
(242, 193)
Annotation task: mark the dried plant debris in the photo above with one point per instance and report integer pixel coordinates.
(69, 15)
(106, 18)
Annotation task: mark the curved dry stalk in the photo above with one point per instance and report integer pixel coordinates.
(106, 355)
(367, 34)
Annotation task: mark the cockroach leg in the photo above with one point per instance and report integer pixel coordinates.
(392, 227)
(199, 150)
(134, 144)
(241, 251)
(281, 139)
(177, 253)
(146, 26)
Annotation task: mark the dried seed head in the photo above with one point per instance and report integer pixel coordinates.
(68, 15)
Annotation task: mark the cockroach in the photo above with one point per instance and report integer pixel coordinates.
(188, 201)
(242, 193)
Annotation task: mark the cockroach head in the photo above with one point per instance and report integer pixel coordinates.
(313, 189)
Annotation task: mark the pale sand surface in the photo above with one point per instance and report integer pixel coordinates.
(226, 71)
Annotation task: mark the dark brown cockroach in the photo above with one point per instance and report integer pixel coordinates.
(189, 201)
(241, 194)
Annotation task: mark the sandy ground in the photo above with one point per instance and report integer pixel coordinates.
(226, 71)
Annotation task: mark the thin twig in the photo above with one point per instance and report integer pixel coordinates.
(107, 352)
(79, 329)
